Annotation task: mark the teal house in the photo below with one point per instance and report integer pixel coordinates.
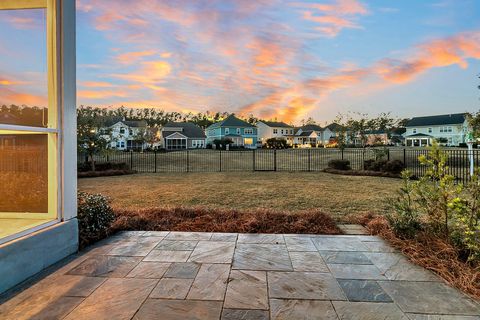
(242, 133)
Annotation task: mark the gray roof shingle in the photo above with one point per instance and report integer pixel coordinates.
(190, 130)
(444, 119)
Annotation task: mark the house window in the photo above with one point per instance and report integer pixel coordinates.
(450, 129)
(30, 170)
(227, 130)
(430, 130)
(248, 131)
(248, 141)
(414, 130)
(122, 130)
(281, 131)
(275, 131)
(238, 131)
(130, 132)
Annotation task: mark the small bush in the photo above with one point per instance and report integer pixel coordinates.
(339, 164)
(276, 143)
(94, 217)
(393, 166)
(105, 166)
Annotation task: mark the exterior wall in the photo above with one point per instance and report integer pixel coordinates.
(455, 137)
(31, 254)
(219, 133)
(266, 132)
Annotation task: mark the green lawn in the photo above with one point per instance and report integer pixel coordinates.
(334, 194)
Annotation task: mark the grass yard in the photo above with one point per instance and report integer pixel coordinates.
(334, 194)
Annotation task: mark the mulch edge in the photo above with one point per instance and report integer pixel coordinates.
(105, 173)
(366, 173)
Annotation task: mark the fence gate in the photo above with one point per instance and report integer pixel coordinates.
(264, 160)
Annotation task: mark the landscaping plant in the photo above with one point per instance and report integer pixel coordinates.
(437, 206)
(94, 217)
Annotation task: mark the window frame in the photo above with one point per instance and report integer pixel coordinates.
(61, 91)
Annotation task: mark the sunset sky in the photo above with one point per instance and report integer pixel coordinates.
(274, 58)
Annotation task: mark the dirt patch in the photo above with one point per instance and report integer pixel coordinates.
(432, 253)
(214, 220)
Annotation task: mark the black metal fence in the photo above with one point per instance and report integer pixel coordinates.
(205, 160)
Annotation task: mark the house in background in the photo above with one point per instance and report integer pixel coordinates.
(308, 135)
(447, 129)
(273, 129)
(126, 134)
(331, 132)
(182, 135)
(242, 133)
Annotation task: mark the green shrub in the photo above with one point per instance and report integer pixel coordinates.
(94, 217)
(391, 166)
(394, 166)
(276, 143)
(438, 206)
(405, 220)
(339, 164)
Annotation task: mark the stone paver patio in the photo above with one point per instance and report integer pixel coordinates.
(192, 275)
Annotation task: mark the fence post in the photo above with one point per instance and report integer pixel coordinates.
(388, 154)
(220, 153)
(253, 160)
(131, 159)
(342, 153)
(188, 162)
(405, 158)
(274, 159)
(155, 161)
(309, 156)
(108, 158)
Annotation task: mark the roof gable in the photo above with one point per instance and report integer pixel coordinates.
(276, 124)
(232, 121)
(188, 129)
(444, 119)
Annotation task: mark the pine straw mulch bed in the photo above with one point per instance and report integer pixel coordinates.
(218, 220)
(432, 253)
(366, 173)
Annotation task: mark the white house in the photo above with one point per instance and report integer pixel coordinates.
(182, 135)
(126, 135)
(308, 135)
(447, 129)
(274, 129)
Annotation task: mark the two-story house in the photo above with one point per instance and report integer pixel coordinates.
(126, 134)
(447, 129)
(182, 135)
(308, 135)
(274, 129)
(331, 133)
(241, 133)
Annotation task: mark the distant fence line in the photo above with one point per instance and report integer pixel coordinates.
(204, 160)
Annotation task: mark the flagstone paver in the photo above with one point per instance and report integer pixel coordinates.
(173, 245)
(303, 285)
(335, 257)
(168, 256)
(302, 309)
(247, 290)
(307, 261)
(179, 310)
(183, 270)
(363, 291)
(368, 310)
(210, 282)
(229, 276)
(240, 314)
(424, 297)
(213, 252)
(262, 257)
(149, 270)
(170, 288)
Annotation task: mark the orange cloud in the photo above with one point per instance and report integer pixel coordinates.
(333, 18)
(8, 96)
(132, 57)
(455, 50)
(101, 94)
(96, 84)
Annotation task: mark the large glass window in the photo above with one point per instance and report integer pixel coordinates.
(28, 117)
